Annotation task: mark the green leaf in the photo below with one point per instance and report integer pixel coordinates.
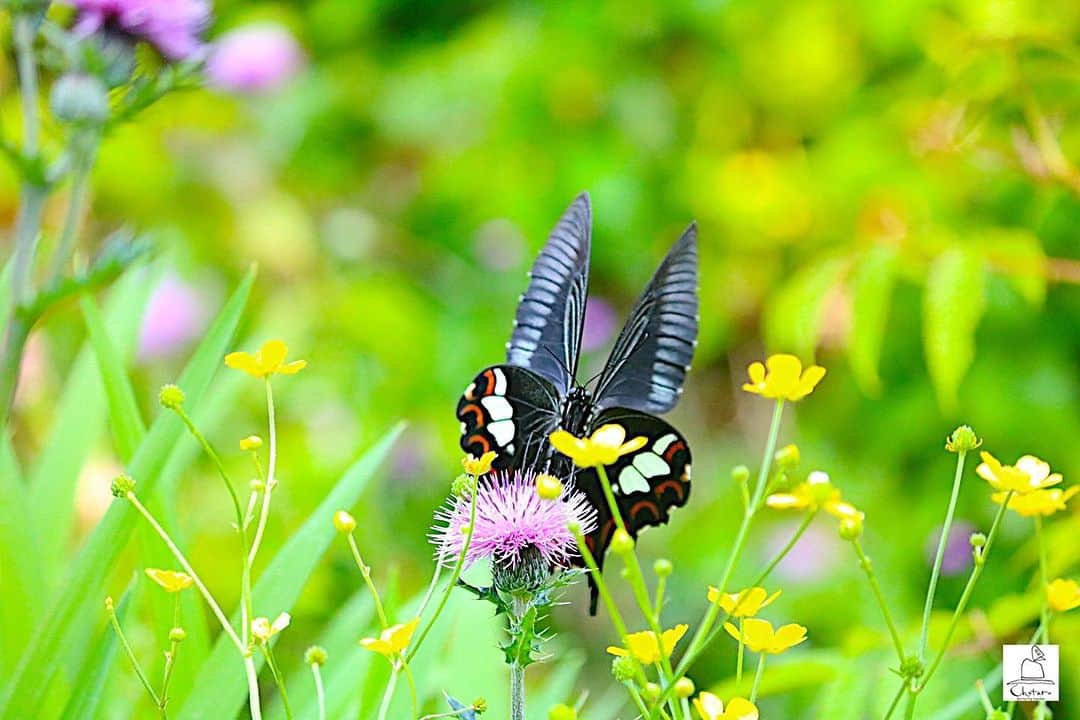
(1019, 256)
(952, 307)
(124, 418)
(79, 419)
(871, 289)
(19, 573)
(794, 318)
(220, 688)
(62, 638)
(86, 695)
(519, 648)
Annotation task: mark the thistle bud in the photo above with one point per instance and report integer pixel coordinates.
(622, 543)
(315, 655)
(962, 439)
(122, 484)
(80, 100)
(171, 397)
(344, 522)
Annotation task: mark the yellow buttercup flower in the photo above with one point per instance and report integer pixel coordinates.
(644, 647)
(816, 492)
(745, 603)
(477, 466)
(1063, 595)
(759, 636)
(393, 640)
(1038, 502)
(605, 446)
(785, 379)
(172, 580)
(267, 360)
(263, 629)
(1027, 475)
(710, 707)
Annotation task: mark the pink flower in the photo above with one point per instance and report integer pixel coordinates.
(172, 26)
(600, 323)
(511, 519)
(253, 59)
(175, 315)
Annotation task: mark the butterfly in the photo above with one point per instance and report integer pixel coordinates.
(513, 407)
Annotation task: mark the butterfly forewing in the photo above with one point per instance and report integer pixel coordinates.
(551, 314)
(647, 483)
(652, 354)
(510, 410)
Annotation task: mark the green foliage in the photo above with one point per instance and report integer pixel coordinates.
(952, 307)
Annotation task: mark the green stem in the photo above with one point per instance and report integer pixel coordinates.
(80, 175)
(896, 700)
(412, 688)
(131, 656)
(455, 575)
(868, 568)
(935, 574)
(279, 680)
(757, 677)
(388, 695)
(661, 589)
(601, 586)
(739, 658)
(365, 570)
(18, 330)
(1044, 579)
(24, 31)
(320, 694)
(271, 480)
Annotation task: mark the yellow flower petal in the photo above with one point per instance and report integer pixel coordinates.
(787, 636)
(1063, 595)
(393, 640)
(709, 706)
(245, 362)
(477, 466)
(782, 377)
(618, 651)
(673, 636)
(603, 447)
(809, 380)
(172, 580)
(740, 709)
(786, 501)
(292, 368)
(271, 355)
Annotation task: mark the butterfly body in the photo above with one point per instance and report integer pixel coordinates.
(513, 408)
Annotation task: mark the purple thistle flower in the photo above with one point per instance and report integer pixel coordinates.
(253, 59)
(172, 26)
(513, 521)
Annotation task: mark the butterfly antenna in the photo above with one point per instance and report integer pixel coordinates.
(559, 360)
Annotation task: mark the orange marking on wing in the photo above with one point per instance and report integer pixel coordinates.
(473, 408)
(674, 448)
(678, 486)
(480, 439)
(645, 503)
(489, 375)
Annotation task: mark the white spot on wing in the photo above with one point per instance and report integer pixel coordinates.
(630, 480)
(502, 431)
(498, 407)
(661, 445)
(651, 464)
(500, 382)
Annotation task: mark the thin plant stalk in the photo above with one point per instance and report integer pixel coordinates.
(80, 177)
(935, 573)
(391, 685)
(131, 656)
(320, 693)
(757, 677)
(517, 670)
(739, 657)
(279, 679)
(412, 687)
(271, 480)
(879, 596)
(365, 570)
(601, 586)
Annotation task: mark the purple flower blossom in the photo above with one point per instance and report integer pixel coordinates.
(511, 519)
(175, 315)
(254, 59)
(172, 26)
(600, 322)
(957, 557)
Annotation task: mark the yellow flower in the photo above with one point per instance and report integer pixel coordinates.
(760, 637)
(344, 522)
(171, 580)
(785, 379)
(548, 487)
(710, 707)
(1063, 595)
(393, 640)
(1039, 502)
(816, 492)
(745, 603)
(267, 360)
(251, 442)
(263, 629)
(1029, 474)
(605, 446)
(644, 648)
(477, 466)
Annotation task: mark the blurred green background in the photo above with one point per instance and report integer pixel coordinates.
(884, 188)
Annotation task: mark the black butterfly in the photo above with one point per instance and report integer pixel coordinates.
(513, 408)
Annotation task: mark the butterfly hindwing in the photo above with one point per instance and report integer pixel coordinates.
(652, 354)
(509, 410)
(551, 313)
(647, 483)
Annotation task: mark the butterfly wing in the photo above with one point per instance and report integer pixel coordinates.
(647, 483)
(510, 410)
(551, 314)
(652, 354)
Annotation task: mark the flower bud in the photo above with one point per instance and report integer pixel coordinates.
(177, 634)
(344, 522)
(651, 692)
(962, 439)
(912, 667)
(663, 567)
(461, 485)
(171, 397)
(977, 540)
(548, 487)
(122, 484)
(624, 668)
(257, 485)
(740, 474)
(851, 528)
(80, 100)
(787, 457)
(109, 604)
(315, 655)
(480, 705)
(684, 687)
(251, 442)
(574, 527)
(622, 543)
(562, 712)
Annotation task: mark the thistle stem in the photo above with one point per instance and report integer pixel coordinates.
(517, 670)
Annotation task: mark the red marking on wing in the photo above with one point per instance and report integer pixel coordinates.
(473, 408)
(674, 484)
(489, 375)
(674, 448)
(640, 504)
(481, 440)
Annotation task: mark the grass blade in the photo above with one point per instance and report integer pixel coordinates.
(70, 620)
(19, 576)
(220, 689)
